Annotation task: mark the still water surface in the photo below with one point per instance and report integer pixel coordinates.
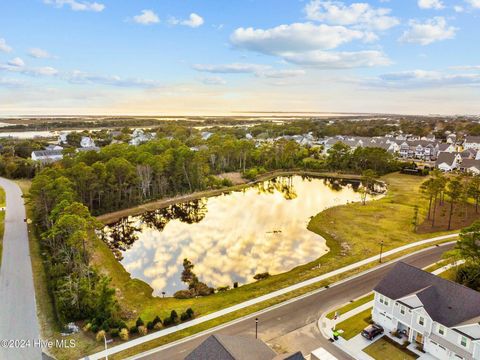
(230, 237)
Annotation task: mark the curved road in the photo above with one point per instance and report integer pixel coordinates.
(18, 317)
(295, 324)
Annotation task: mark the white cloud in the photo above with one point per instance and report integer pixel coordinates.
(16, 62)
(213, 80)
(17, 65)
(339, 60)
(295, 37)
(431, 4)
(282, 73)
(4, 46)
(193, 21)
(39, 53)
(11, 83)
(361, 15)
(474, 3)
(77, 5)
(147, 17)
(432, 30)
(458, 8)
(245, 68)
(80, 77)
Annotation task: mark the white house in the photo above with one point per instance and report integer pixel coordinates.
(471, 166)
(472, 142)
(448, 161)
(438, 314)
(47, 156)
(87, 142)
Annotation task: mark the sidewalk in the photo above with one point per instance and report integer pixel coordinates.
(200, 320)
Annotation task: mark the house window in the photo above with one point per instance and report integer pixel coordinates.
(421, 320)
(441, 330)
(381, 299)
(402, 310)
(463, 341)
(386, 301)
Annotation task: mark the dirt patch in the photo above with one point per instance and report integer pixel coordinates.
(463, 215)
(235, 177)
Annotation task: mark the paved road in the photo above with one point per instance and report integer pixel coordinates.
(295, 323)
(18, 317)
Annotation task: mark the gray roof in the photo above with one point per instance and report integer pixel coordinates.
(39, 153)
(445, 302)
(443, 146)
(224, 347)
(295, 356)
(472, 139)
(468, 163)
(445, 157)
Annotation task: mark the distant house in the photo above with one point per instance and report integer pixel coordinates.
(472, 142)
(47, 156)
(468, 154)
(85, 149)
(445, 147)
(139, 137)
(451, 138)
(448, 161)
(471, 166)
(206, 135)
(87, 142)
(54, 147)
(438, 314)
(224, 347)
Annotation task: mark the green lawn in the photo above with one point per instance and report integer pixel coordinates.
(355, 324)
(383, 346)
(2, 220)
(350, 306)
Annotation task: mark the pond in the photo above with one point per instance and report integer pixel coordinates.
(231, 237)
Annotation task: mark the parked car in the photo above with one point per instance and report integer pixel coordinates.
(371, 331)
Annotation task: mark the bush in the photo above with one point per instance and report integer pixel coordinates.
(150, 325)
(105, 326)
(114, 332)
(157, 320)
(167, 321)
(158, 326)
(190, 312)
(261, 276)
(184, 317)
(94, 328)
(100, 335)
(183, 294)
(87, 327)
(223, 288)
(134, 330)
(124, 334)
(139, 322)
(201, 289)
(235, 284)
(142, 330)
(173, 316)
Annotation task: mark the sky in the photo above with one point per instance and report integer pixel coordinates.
(217, 57)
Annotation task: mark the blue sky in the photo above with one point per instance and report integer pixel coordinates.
(215, 57)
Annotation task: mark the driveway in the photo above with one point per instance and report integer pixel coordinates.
(18, 316)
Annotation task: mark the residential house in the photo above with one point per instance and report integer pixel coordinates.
(448, 161)
(206, 135)
(85, 149)
(224, 347)
(446, 147)
(451, 138)
(468, 154)
(47, 156)
(472, 142)
(471, 166)
(439, 315)
(139, 137)
(418, 149)
(87, 142)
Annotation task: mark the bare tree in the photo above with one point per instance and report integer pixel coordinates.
(145, 174)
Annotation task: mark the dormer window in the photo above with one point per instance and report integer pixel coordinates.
(402, 309)
(421, 320)
(441, 330)
(463, 341)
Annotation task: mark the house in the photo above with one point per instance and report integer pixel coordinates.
(87, 142)
(54, 147)
(472, 142)
(471, 166)
(139, 137)
(438, 314)
(468, 154)
(47, 156)
(445, 147)
(448, 161)
(206, 135)
(224, 347)
(451, 138)
(85, 149)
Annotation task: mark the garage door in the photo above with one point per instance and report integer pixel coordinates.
(438, 350)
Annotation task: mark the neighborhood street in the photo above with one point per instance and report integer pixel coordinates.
(18, 318)
(293, 325)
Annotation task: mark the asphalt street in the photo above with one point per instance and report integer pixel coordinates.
(19, 332)
(294, 325)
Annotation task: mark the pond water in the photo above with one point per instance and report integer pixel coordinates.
(230, 237)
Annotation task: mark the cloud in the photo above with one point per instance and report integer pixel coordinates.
(431, 4)
(38, 53)
(466, 67)
(193, 21)
(474, 3)
(11, 83)
(213, 80)
(361, 15)
(17, 65)
(147, 17)
(80, 77)
(258, 70)
(432, 30)
(295, 37)
(339, 60)
(77, 5)
(16, 62)
(4, 46)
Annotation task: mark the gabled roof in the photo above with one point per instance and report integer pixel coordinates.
(472, 139)
(224, 347)
(446, 302)
(47, 153)
(443, 146)
(445, 157)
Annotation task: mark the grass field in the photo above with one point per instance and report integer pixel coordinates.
(387, 346)
(2, 221)
(355, 324)
(350, 306)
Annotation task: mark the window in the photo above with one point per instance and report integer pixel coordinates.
(421, 320)
(381, 299)
(402, 310)
(441, 330)
(386, 301)
(463, 341)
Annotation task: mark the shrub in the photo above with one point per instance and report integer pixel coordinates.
(100, 335)
(184, 317)
(87, 327)
(139, 322)
(134, 330)
(124, 334)
(173, 316)
(114, 332)
(167, 321)
(190, 312)
(105, 326)
(223, 288)
(235, 284)
(201, 289)
(158, 326)
(150, 325)
(94, 328)
(157, 320)
(183, 294)
(261, 276)
(142, 330)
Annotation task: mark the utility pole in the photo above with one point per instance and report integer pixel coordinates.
(106, 348)
(381, 251)
(256, 328)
